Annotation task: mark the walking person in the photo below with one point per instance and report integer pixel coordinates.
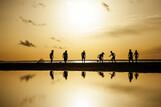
(130, 56)
(113, 56)
(51, 56)
(136, 54)
(83, 54)
(65, 56)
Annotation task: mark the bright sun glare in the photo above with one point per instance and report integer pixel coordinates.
(81, 102)
(83, 16)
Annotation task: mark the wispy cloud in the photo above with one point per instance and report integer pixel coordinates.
(154, 52)
(38, 4)
(106, 6)
(29, 21)
(31, 99)
(26, 43)
(135, 1)
(55, 39)
(148, 24)
(58, 47)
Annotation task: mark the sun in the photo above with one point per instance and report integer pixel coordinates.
(81, 101)
(83, 16)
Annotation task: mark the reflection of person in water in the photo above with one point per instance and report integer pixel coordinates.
(51, 55)
(112, 55)
(83, 74)
(112, 75)
(65, 74)
(130, 75)
(100, 57)
(83, 54)
(52, 74)
(101, 74)
(136, 75)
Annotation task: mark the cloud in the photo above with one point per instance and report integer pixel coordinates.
(26, 43)
(27, 77)
(55, 39)
(32, 99)
(135, 1)
(38, 4)
(154, 52)
(145, 25)
(106, 6)
(125, 88)
(58, 47)
(29, 21)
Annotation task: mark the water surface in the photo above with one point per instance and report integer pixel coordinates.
(38, 89)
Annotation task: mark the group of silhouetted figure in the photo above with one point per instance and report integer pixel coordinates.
(100, 56)
(131, 55)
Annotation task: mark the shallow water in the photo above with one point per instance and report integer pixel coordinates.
(38, 89)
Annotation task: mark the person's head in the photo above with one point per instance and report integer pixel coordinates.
(65, 50)
(52, 51)
(129, 50)
(111, 51)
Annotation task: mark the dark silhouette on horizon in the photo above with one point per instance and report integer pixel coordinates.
(51, 56)
(65, 56)
(101, 74)
(52, 74)
(130, 75)
(83, 54)
(65, 74)
(101, 57)
(83, 74)
(136, 54)
(130, 56)
(113, 56)
(113, 74)
(136, 75)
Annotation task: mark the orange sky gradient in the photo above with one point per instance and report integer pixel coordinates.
(29, 29)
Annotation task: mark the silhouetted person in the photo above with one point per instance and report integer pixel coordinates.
(130, 75)
(101, 74)
(136, 54)
(113, 74)
(136, 75)
(83, 74)
(65, 74)
(52, 74)
(65, 56)
(83, 54)
(130, 56)
(112, 55)
(51, 55)
(101, 56)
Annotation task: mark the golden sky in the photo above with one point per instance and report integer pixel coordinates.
(29, 29)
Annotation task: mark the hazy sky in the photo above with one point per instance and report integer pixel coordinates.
(29, 29)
